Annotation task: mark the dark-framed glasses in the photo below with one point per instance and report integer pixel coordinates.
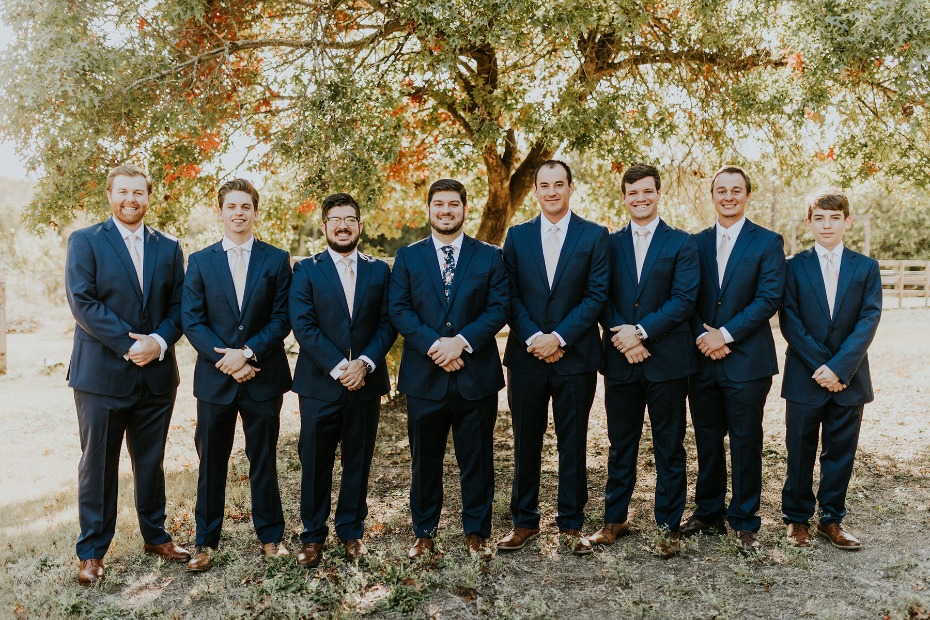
(349, 220)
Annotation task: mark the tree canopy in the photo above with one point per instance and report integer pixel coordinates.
(381, 97)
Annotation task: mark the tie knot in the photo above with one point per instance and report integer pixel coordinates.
(448, 249)
(642, 232)
(237, 250)
(347, 261)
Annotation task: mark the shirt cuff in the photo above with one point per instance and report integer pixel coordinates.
(727, 338)
(161, 343)
(561, 340)
(336, 372)
(643, 331)
(467, 345)
(367, 360)
(529, 341)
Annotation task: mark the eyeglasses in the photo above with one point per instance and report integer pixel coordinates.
(349, 220)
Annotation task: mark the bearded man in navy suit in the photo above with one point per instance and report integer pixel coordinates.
(649, 355)
(558, 265)
(234, 311)
(829, 315)
(123, 280)
(742, 279)
(339, 314)
(449, 298)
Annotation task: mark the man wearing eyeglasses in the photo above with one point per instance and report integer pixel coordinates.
(339, 314)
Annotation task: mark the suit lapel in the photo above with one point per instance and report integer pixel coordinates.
(149, 258)
(742, 242)
(220, 263)
(848, 267)
(256, 261)
(328, 267)
(363, 274)
(627, 254)
(707, 245)
(571, 239)
(535, 241)
(431, 263)
(655, 248)
(811, 263)
(461, 267)
(119, 246)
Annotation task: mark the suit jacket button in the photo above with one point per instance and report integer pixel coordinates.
(241, 328)
(719, 303)
(448, 324)
(636, 305)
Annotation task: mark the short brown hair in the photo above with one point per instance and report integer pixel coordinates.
(447, 185)
(829, 200)
(552, 163)
(732, 170)
(237, 185)
(637, 172)
(128, 170)
(339, 200)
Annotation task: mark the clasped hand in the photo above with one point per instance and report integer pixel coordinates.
(447, 353)
(353, 375)
(713, 344)
(233, 363)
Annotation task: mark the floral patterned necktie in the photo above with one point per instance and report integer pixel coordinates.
(448, 269)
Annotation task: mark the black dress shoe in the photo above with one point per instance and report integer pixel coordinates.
(695, 526)
(748, 541)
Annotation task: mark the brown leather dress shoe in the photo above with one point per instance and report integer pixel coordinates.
(91, 571)
(748, 541)
(799, 535)
(582, 545)
(310, 555)
(421, 547)
(355, 548)
(275, 550)
(668, 545)
(478, 547)
(202, 560)
(838, 537)
(169, 551)
(695, 526)
(517, 538)
(609, 533)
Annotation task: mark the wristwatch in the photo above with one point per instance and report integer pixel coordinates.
(639, 333)
(248, 353)
(368, 367)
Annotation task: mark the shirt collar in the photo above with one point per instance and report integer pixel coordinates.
(733, 231)
(456, 243)
(125, 232)
(336, 256)
(562, 223)
(651, 226)
(228, 245)
(822, 251)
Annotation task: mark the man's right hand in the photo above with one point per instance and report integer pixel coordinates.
(245, 373)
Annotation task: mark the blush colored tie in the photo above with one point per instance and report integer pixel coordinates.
(551, 249)
(830, 278)
(448, 269)
(238, 274)
(642, 236)
(135, 256)
(348, 282)
(723, 255)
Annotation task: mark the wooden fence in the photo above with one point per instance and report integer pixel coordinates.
(905, 279)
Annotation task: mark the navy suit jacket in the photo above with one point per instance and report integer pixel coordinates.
(477, 309)
(107, 303)
(751, 294)
(211, 318)
(662, 302)
(840, 342)
(327, 334)
(573, 304)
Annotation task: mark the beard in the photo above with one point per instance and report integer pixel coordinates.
(447, 227)
(342, 247)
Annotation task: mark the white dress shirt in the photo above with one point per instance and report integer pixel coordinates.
(651, 227)
(545, 227)
(441, 257)
(837, 259)
(231, 256)
(138, 237)
(732, 232)
(336, 372)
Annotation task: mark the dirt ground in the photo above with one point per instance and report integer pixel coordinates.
(888, 508)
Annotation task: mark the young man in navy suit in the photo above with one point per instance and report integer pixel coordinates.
(649, 354)
(558, 265)
(742, 278)
(123, 280)
(449, 297)
(831, 309)
(339, 314)
(234, 311)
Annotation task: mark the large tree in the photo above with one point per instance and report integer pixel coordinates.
(379, 97)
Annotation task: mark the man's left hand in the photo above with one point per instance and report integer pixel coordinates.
(232, 360)
(446, 350)
(146, 349)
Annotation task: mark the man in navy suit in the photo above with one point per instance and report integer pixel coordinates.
(234, 312)
(831, 309)
(649, 353)
(558, 265)
(339, 314)
(742, 278)
(449, 298)
(123, 281)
